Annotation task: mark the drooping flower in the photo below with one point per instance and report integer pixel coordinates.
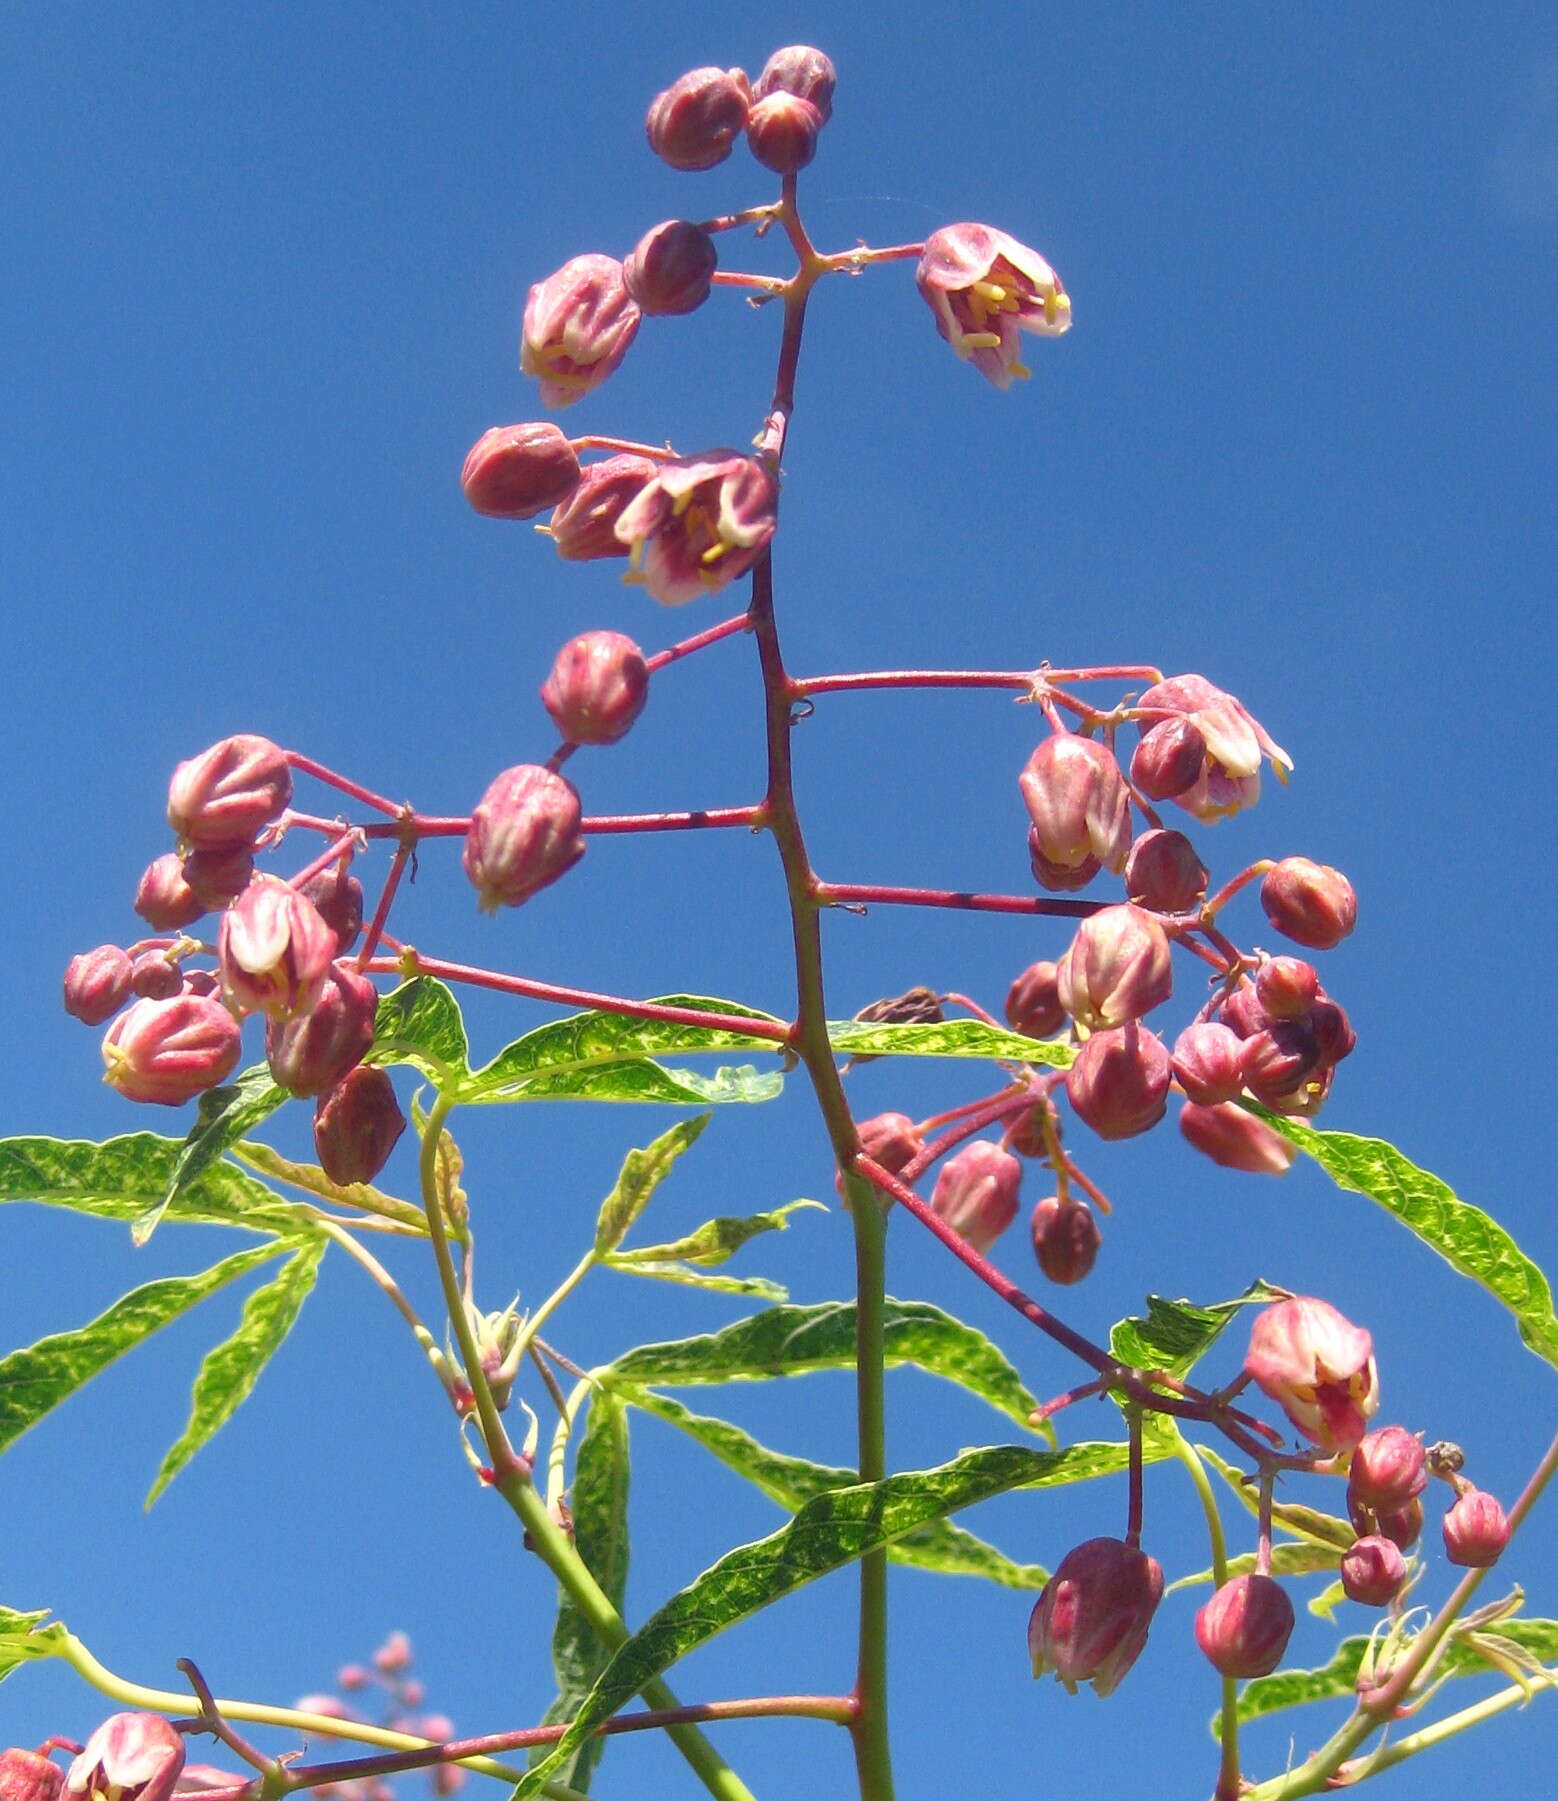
(1235, 742)
(1318, 1367)
(699, 522)
(985, 288)
(578, 325)
(1245, 1627)
(1091, 1621)
(1078, 802)
(131, 1757)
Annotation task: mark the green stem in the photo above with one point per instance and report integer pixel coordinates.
(1228, 1768)
(1436, 1734)
(552, 1302)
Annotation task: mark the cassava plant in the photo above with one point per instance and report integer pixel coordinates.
(272, 919)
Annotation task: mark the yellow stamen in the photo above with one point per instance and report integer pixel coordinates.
(980, 340)
(989, 290)
(1020, 370)
(714, 552)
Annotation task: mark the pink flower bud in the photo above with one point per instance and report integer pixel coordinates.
(523, 835)
(671, 267)
(1287, 987)
(1119, 1083)
(1236, 1139)
(97, 984)
(1388, 1469)
(394, 1655)
(1242, 1012)
(1169, 758)
(578, 326)
(1332, 1029)
(1033, 1002)
(889, 1139)
(219, 874)
(154, 977)
(800, 70)
(1056, 877)
(1311, 903)
(1475, 1530)
(164, 899)
(202, 982)
(274, 950)
(352, 1676)
(337, 897)
(584, 527)
(699, 522)
(1245, 1627)
(597, 688)
(1318, 1367)
(131, 1757)
(356, 1125)
(693, 124)
(1117, 968)
(229, 793)
(517, 471)
(782, 132)
(976, 1192)
(1065, 1239)
(1235, 744)
(1164, 873)
(1279, 1058)
(1208, 1061)
(1403, 1526)
(1091, 1620)
(28, 1776)
(1373, 1572)
(170, 1051)
(984, 288)
(312, 1052)
(1078, 802)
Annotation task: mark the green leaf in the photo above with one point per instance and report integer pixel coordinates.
(951, 1038)
(638, 1079)
(1303, 1522)
(229, 1373)
(716, 1240)
(758, 1287)
(223, 1116)
(1175, 1335)
(827, 1533)
(600, 1526)
(1465, 1236)
(123, 1177)
(1338, 1680)
(793, 1481)
(23, 1636)
(1295, 1559)
(420, 1023)
(641, 1174)
(313, 1180)
(36, 1379)
(794, 1341)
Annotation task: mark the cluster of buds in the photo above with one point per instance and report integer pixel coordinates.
(386, 1694)
(694, 124)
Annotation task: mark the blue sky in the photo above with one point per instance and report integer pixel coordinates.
(266, 270)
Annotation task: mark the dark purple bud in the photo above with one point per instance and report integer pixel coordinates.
(219, 874)
(584, 527)
(1287, 987)
(1078, 802)
(976, 1192)
(28, 1776)
(782, 132)
(1065, 1239)
(312, 1053)
(1245, 1627)
(517, 471)
(1332, 1029)
(597, 688)
(890, 1139)
(1403, 1526)
(1091, 1621)
(1117, 968)
(229, 793)
(523, 835)
(577, 329)
(170, 1051)
(1169, 758)
(1311, 903)
(1033, 1002)
(1027, 1134)
(164, 899)
(1208, 1061)
(337, 897)
(1374, 1571)
(97, 984)
(1120, 1081)
(1059, 878)
(1242, 1012)
(274, 950)
(356, 1125)
(800, 70)
(1279, 1058)
(1164, 873)
(1236, 1139)
(1388, 1469)
(670, 268)
(693, 124)
(131, 1757)
(154, 977)
(1475, 1530)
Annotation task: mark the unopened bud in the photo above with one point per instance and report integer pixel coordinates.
(1059, 878)
(890, 1139)
(164, 899)
(1065, 1239)
(337, 897)
(28, 1776)
(584, 527)
(671, 267)
(1164, 873)
(1245, 1627)
(1279, 1058)
(782, 132)
(1168, 759)
(229, 793)
(577, 329)
(1403, 1526)
(1078, 802)
(1236, 1139)
(219, 874)
(131, 1757)
(169, 1051)
(1332, 1029)
(597, 688)
(154, 977)
(976, 1192)
(1117, 968)
(394, 1655)
(1287, 987)
(1091, 1621)
(1120, 1081)
(1311, 903)
(800, 70)
(311, 1053)
(693, 124)
(274, 950)
(1388, 1469)
(97, 984)
(1208, 1061)
(356, 1125)
(1318, 1367)
(1242, 1013)
(352, 1676)
(1033, 1002)
(1373, 1572)
(523, 835)
(1475, 1530)
(517, 471)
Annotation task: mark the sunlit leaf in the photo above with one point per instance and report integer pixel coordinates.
(948, 1038)
(313, 1180)
(637, 1079)
(222, 1116)
(420, 1023)
(1288, 1559)
(716, 1240)
(1175, 1335)
(759, 1288)
(641, 1174)
(23, 1637)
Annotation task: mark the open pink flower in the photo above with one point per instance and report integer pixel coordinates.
(1235, 744)
(578, 326)
(1318, 1367)
(699, 522)
(985, 288)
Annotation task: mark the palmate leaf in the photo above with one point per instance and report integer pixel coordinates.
(830, 1531)
(794, 1341)
(123, 1177)
(716, 1240)
(229, 1373)
(222, 1117)
(793, 1481)
(23, 1637)
(949, 1038)
(1300, 1558)
(34, 1381)
(641, 1174)
(1466, 1237)
(600, 1527)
